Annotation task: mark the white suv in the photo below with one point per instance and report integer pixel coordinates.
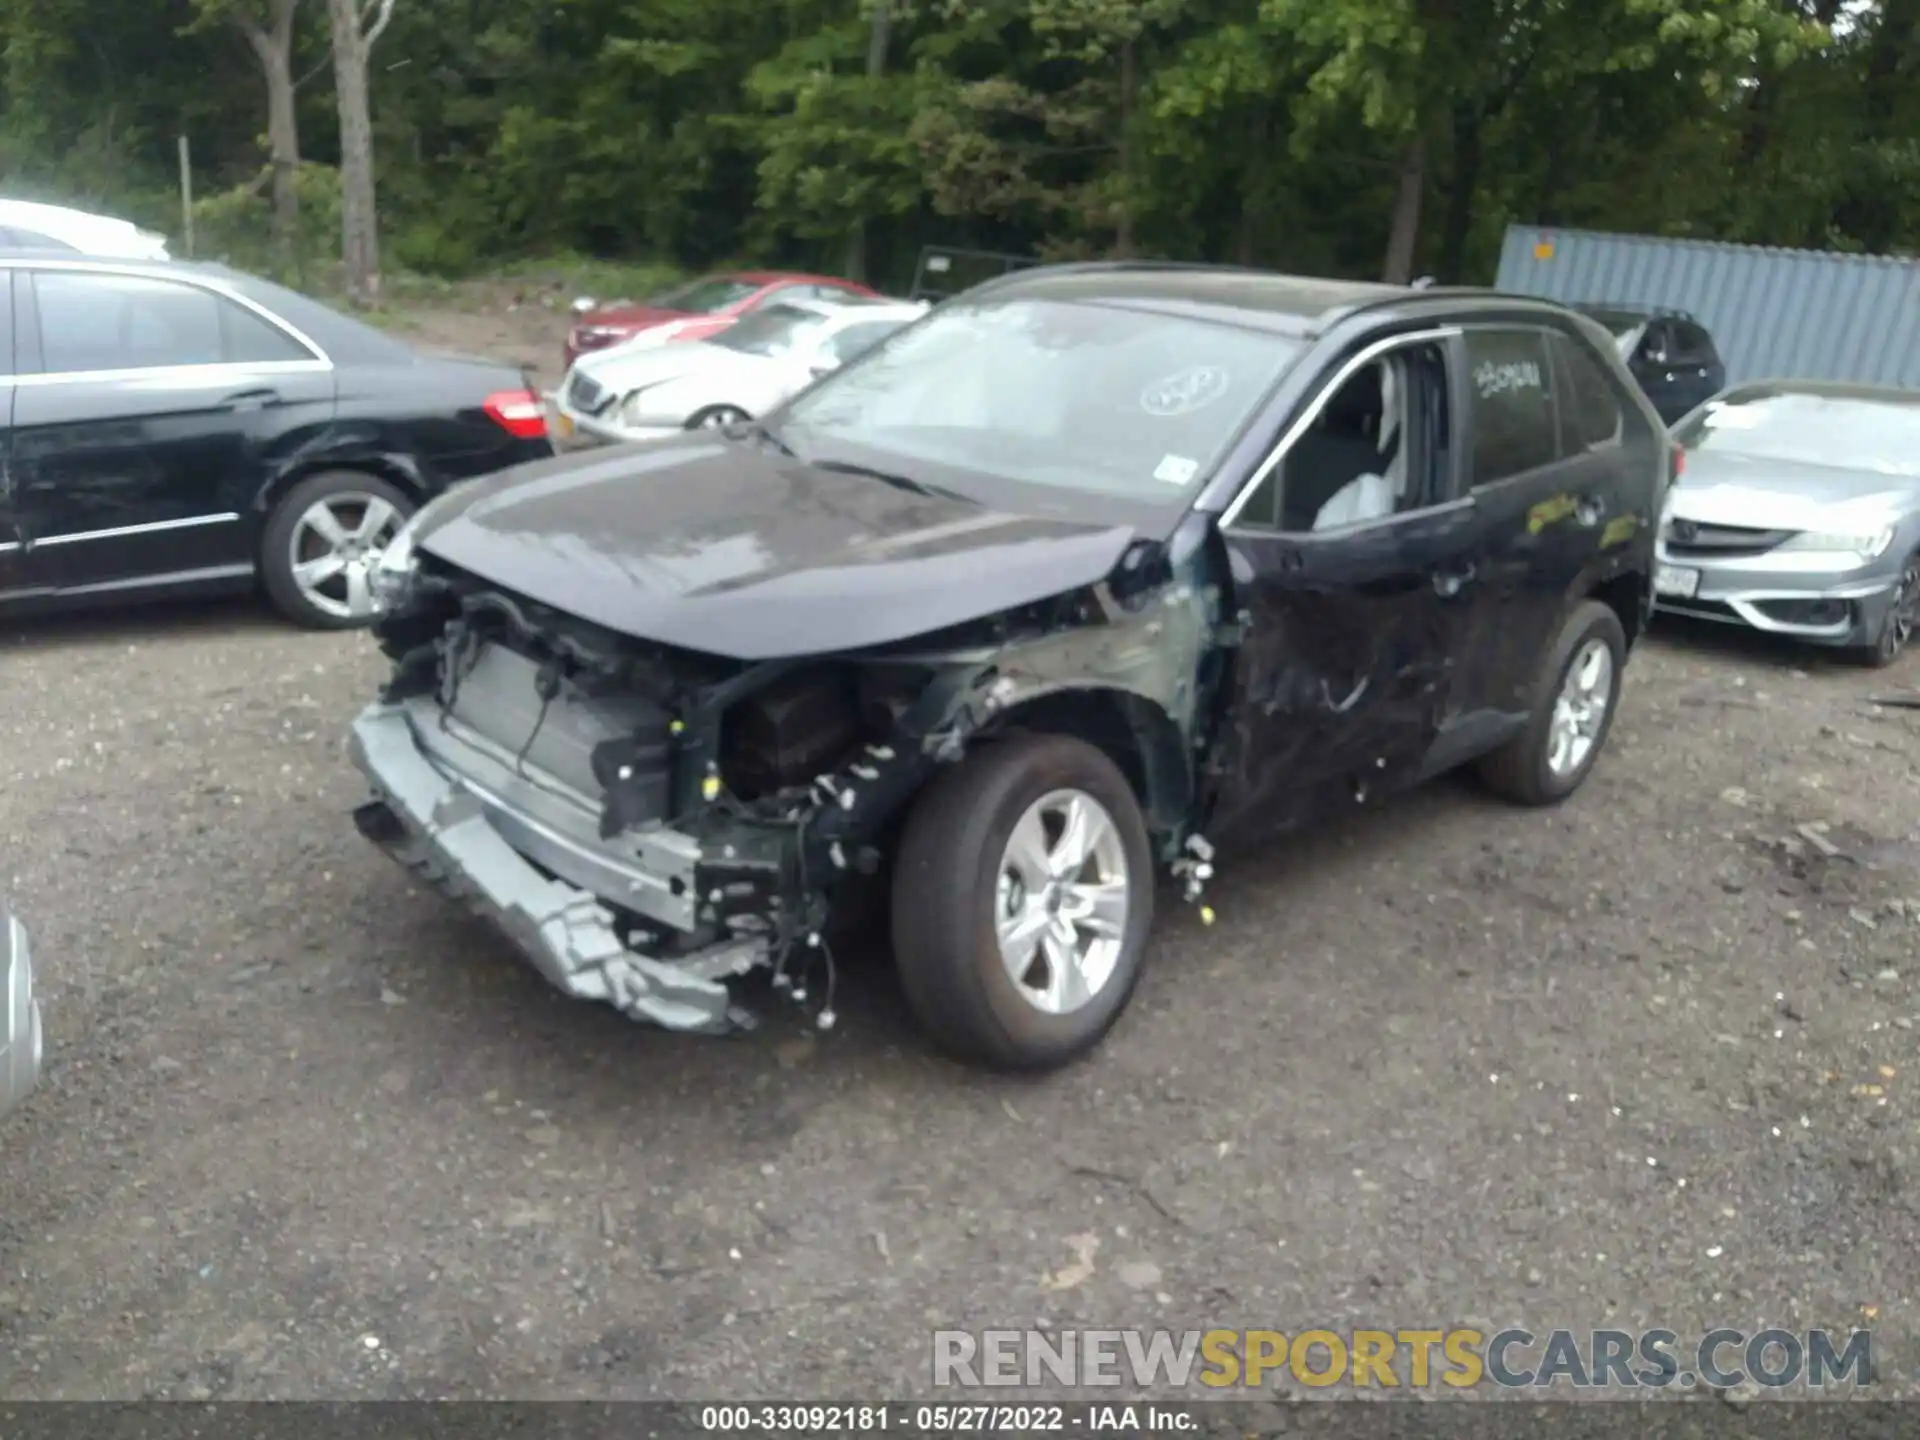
(25, 225)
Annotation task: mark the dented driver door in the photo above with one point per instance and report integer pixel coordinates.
(1341, 678)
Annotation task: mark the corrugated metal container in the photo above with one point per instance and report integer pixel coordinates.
(1775, 314)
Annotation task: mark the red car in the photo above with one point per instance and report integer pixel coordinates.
(712, 303)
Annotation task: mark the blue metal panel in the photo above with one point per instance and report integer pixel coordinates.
(1775, 314)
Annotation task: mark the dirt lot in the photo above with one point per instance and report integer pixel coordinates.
(307, 1132)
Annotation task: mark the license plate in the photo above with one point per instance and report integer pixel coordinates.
(562, 426)
(1676, 580)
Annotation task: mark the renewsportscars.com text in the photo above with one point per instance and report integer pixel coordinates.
(1456, 1358)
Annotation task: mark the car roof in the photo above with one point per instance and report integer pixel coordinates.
(1614, 310)
(1303, 306)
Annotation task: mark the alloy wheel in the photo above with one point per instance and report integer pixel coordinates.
(1580, 709)
(1904, 615)
(336, 543)
(1061, 902)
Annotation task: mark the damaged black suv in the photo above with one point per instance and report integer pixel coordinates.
(1092, 571)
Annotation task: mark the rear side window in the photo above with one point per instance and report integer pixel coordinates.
(1515, 420)
(246, 339)
(129, 322)
(1590, 413)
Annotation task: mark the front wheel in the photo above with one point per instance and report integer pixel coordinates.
(1903, 615)
(1575, 694)
(1022, 900)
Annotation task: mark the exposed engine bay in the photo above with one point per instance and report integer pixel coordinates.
(651, 824)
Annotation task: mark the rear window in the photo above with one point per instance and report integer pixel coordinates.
(1853, 432)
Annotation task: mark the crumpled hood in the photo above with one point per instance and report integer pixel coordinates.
(726, 547)
(1733, 489)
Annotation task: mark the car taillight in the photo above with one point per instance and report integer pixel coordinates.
(1679, 461)
(518, 412)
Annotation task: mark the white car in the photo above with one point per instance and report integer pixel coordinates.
(644, 392)
(25, 225)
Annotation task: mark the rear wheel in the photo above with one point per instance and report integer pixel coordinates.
(717, 417)
(1022, 900)
(321, 544)
(1575, 695)
(1903, 617)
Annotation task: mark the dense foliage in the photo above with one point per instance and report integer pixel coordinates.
(1345, 136)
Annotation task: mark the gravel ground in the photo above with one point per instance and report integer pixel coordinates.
(308, 1132)
(1447, 1063)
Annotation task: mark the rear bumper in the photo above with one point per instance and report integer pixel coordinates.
(467, 840)
(23, 1040)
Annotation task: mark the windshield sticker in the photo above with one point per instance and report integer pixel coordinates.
(1184, 392)
(1502, 379)
(1175, 469)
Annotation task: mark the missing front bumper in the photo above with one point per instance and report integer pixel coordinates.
(442, 830)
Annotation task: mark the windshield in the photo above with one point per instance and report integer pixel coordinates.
(1129, 403)
(1855, 432)
(776, 330)
(704, 297)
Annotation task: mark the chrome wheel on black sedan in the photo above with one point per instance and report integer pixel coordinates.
(322, 543)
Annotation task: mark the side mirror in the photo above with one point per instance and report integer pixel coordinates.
(584, 304)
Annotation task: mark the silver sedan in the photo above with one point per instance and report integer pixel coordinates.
(20, 1042)
(1797, 511)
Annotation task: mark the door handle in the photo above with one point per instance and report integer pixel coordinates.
(252, 399)
(1448, 583)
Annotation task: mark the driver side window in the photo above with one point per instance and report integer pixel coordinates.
(1377, 448)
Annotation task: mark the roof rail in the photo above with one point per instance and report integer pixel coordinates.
(1668, 312)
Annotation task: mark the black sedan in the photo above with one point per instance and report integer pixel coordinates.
(182, 429)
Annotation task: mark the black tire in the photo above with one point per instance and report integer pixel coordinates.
(276, 543)
(1518, 771)
(1903, 618)
(715, 416)
(946, 886)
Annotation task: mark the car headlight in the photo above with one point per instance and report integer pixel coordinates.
(392, 574)
(638, 408)
(1866, 545)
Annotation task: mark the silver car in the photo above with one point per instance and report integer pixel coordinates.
(1796, 510)
(20, 1042)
